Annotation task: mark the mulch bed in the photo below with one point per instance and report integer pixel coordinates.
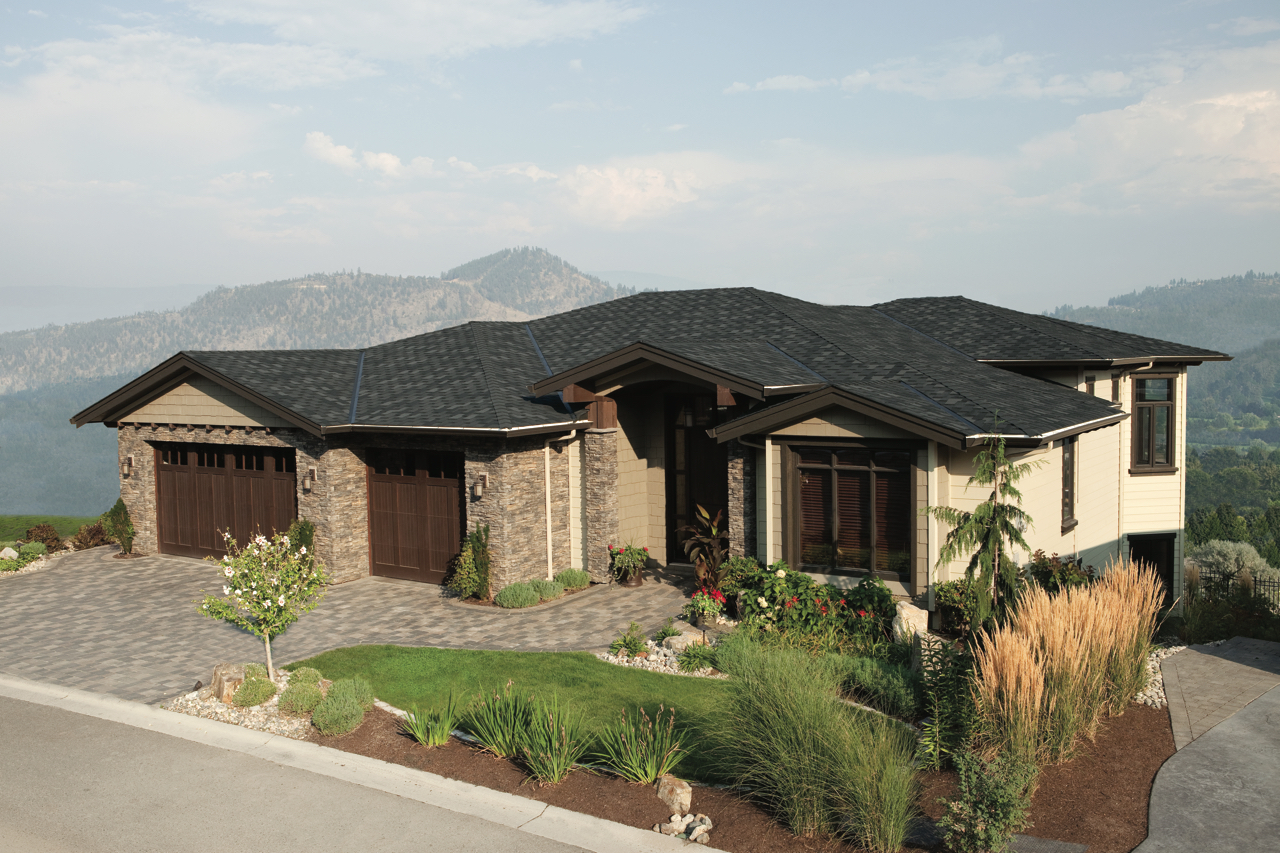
(1099, 799)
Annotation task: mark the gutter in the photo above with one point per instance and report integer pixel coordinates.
(498, 432)
(1045, 438)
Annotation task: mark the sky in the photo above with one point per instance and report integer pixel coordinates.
(1025, 153)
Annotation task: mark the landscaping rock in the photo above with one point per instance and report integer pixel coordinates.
(227, 678)
(8, 554)
(680, 642)
(676, 793)
(697, 832)
(909, 622)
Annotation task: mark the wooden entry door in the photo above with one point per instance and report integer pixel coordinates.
(203, 490)
(415, 513)
(697, 467)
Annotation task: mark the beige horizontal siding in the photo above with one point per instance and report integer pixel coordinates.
(201, 401)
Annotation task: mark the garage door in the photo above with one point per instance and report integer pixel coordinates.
(205, 489)
(415, 513)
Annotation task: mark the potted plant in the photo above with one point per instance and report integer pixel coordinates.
(628, 563)
(707, 548)
(703, 608)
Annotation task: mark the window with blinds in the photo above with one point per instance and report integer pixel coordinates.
(854, 510)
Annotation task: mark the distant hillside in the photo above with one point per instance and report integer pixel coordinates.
(1227, 314)
(49, 374)
(322, 310)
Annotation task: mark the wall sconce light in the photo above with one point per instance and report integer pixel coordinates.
(126, 465)
(308, 479)
(478, 487)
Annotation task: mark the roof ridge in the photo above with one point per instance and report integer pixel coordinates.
(488, 385)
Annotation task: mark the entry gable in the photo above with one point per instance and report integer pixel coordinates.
(201, 401)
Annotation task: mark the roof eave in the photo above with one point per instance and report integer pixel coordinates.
(636, 352)
(1023, 440)
(495, 432)
(1190, 360)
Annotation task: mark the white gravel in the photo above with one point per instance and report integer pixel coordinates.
(657, 659)
(264, 718)
(34, 566)
(1153, 693)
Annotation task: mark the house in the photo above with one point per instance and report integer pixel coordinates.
(820, 430)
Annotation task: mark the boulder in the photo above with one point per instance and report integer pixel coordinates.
(227, 678)
(909, 622)
(676, 793)
(697, 831)
(8, 554)
(679, 642)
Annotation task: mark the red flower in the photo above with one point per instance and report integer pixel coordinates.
(862, 613)
(842, 601)
(791, 602)
(646, 550)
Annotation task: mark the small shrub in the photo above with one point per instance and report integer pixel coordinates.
(632, 641)
(639, 749)
(574, 579)
(33, 549)
(45, 534)
(255, 670)
(433, 728)
(547, 590)
(469, 572)
(302, 534)
(993, 801)
(554, 742)
(119, 527)
(736, 571)
(500, 722)
(516, 595)
(668, 629)
(356, 688)
(888, 687)
(337, 715)
(1055, 574)
(90, 536)
(254, 691)
(697, 656)
(305, 675)
(958, 602)
(1231, 559)
(300, 698)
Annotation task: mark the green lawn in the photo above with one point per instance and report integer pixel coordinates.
(422, 677)
(15, 526)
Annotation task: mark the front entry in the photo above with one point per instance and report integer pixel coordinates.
(1156, 551)
(415, 513)
(203, 490)
(697, 466)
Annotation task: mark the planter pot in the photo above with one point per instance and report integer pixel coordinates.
(635, 580)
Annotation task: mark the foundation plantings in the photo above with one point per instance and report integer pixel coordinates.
(639, 749)
(433, 728)
(269, 585)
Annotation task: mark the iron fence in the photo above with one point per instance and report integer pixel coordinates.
(1268, 588)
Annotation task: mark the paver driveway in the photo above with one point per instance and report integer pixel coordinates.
(129, 628)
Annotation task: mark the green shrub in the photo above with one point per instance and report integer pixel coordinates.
(300, 698)
(516, 595)
(668, 629)
(433, 728)
(818, 765)
(302, 534)
(737, 570)
(890, 688)
(1231, 559)
(547, 590)
(958, 602)
(356, 688)
(119, 526)
(469, 572)
(1055, 574)
(305, 675)
(255, 670)
(574, 579)
(337, 715)
(992, 803)
(254, 691)
(639, 749)
(554, 741)
(500, 722)
(697, 656)
(781, 600)
(33, 549)
(632, 641)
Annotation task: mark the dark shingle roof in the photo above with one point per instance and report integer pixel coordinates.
(921, 357)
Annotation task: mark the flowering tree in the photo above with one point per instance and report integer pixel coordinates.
(269, 585)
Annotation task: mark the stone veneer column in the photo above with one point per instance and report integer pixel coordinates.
(138, 490)
(738, 509)
(600, 498)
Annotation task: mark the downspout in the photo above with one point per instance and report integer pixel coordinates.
(546, 483)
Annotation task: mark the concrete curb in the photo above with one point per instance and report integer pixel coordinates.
(531, 816)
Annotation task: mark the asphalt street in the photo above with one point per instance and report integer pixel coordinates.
(71, 783)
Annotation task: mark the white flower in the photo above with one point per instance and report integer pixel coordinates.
(227, 571)
(780, 573)
(760, 600)
(302, 550)
(282, 601)
(226, 590)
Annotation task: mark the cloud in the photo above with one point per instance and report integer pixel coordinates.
(673, 128)
(233, 181)
(320, 146)
(37, 13)
(782, 83)
(575, 64)
(1247, 26)
(410, 30)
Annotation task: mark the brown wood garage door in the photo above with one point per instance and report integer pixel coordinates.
(205, 489)
(415, 513)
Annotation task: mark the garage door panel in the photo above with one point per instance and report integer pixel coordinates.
(414, 519)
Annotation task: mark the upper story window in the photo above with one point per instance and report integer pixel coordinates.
(1090, 385)
(1153, 416)
(1068, 483)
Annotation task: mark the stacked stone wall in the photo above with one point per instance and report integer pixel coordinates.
(737, 513)
(600, 497)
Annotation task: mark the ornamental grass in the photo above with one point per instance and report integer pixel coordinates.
(1046, 679)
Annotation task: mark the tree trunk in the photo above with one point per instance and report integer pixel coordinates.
(271, 671)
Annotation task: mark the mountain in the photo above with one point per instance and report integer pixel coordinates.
(48, 374)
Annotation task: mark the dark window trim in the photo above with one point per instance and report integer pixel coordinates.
(1171, 467)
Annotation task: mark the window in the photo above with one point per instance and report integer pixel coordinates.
(1090, 385)
(1068, 484)
(1115, 388)
(1153, 448)
(855, 510)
